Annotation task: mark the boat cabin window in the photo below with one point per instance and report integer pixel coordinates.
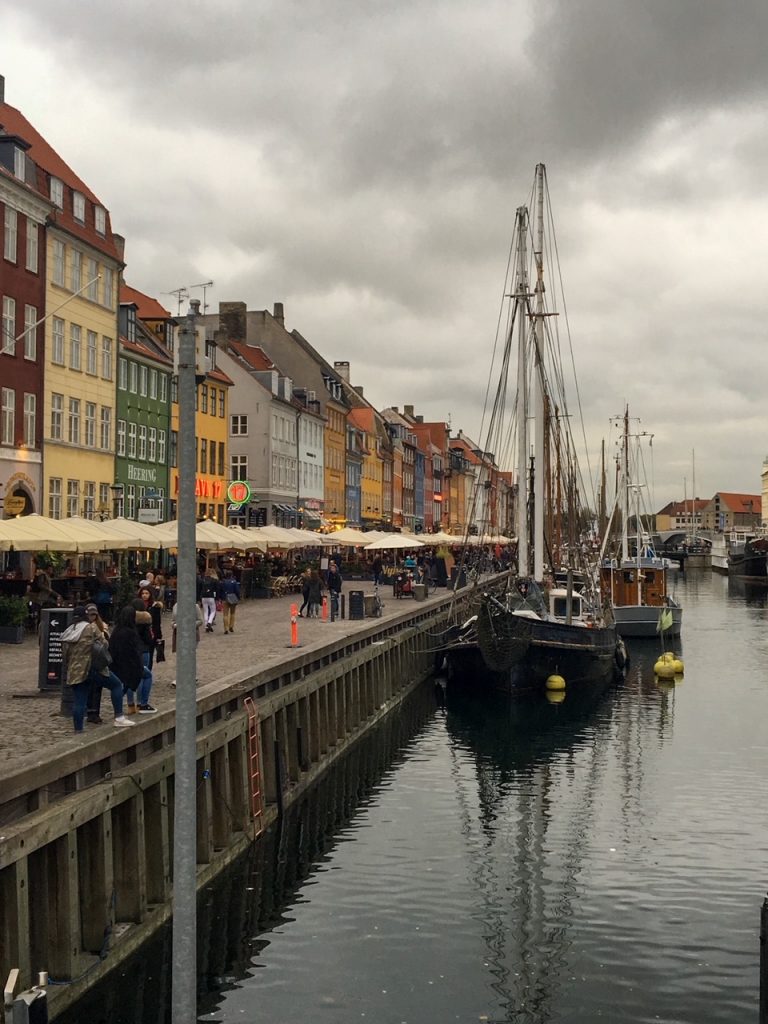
(649, 576)
(629, 577)
(560, 607)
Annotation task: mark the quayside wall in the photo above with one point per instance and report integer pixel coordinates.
(86, 837)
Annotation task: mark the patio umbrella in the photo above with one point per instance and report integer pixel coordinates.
(392, 541)
(277, 537)
(126, 535)
(204, 536)
(309, 538)
(349, 537)
(245, 540)
(38, 533)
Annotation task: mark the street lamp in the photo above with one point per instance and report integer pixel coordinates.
(117, 499)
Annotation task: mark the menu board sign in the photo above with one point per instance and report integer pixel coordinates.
(53, 622)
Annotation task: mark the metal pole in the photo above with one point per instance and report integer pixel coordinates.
(184, 960)
(763, 1018)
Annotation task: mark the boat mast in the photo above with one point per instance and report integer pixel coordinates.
(693, 497)
(625, 489)
(538, 409)
(521, 303)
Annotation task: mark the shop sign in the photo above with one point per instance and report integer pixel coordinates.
(15, 505)
(239, 492)
(203, 488)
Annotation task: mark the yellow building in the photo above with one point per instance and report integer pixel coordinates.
(334, 478)
(211, 441)
(372, 475)
(83, 265)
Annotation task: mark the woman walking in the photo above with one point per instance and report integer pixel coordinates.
(126, 650)
(315, 594)
(147, 641)
(208, 590)
(83, 656)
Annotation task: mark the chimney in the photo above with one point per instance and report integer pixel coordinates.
(359, 391)
(2, 88)
(232, 320)
(278, 313)
(342, 368)
(408, 411)
(419, 419)
(117, 240)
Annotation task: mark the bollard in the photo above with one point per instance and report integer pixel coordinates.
(294, 625)
(324, 613)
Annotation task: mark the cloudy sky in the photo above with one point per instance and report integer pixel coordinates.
(362, 163)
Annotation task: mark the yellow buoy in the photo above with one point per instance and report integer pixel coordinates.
(555, 683)
(555, 696)
(665, 666)
(679, 667)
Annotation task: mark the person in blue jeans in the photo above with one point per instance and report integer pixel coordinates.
(334, 588)
(84, 664)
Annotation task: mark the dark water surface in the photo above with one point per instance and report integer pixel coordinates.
(525, 863)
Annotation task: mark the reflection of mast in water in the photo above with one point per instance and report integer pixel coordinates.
(532, 764)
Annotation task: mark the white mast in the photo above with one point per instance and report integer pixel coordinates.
(693, 499)
(625, 490)
(538, 384)
(521, 303)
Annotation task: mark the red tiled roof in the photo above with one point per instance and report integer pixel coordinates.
(48, 161)
(362, 418)
(253, 355)
(144, 350)
(146, 307)
(745, 503)
(220, 376)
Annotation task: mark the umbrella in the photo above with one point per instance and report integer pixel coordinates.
(205, 538)
(245, 540)
(349, 537)
(308, 537)
(38, 533)
(394, 540)
(277, 537)
(126, 535)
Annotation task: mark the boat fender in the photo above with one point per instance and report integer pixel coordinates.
(620, 654)
(555, 684)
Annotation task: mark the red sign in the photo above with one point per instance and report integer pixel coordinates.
(204, 488)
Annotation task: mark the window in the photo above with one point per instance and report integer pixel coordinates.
(104, 497)
(213, 401)
(221, 458)
(204, 398)
(100, 222)
(90, 424)
(75, 339)
(130, 501)
(121, 437)
(19, 163)
(174, 389)
(212, 458)
(133, 387)
(76, 270)
(153, 384)
(238, 467)
(91, 353)
(30, 418)
(106, 428)
(161, 447)
(57, 193)
(30, 332)
(106, 358)
(8, 345)
(89, 499)
(131, 326)
(57, 352)
(122, 374)
(143, 442)
(173, 454)
(58, 262)
(57, 417)
(131, 440)
(109, 287)
(73, 495)
(203, 455)
(54, 497)
(222, 400)
(152, 444)
(7, 415)
(163, 387)
(93, 281)
(31, 246)
(78, 207)
(143, 381)
(11, 234)
(74, 421)
(238, 427)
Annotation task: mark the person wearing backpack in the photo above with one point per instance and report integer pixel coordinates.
(229, 593)
(85, 657)
(209, 590)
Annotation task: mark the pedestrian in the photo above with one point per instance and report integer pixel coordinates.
(315, 594)
(93, 706)
(83, 652)
(126, 650)
(334, 588)
(146, 638)
(209, 589)
(104, 596)
(229, 593)
(198, 627)
(306, 578)
(155, 608)
(377, 567)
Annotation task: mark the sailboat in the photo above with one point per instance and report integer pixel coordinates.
(538, 634)
(636, 582)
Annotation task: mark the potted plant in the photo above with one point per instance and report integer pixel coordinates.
(260, 580)
(13, 615)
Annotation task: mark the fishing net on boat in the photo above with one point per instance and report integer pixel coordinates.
(503, 636)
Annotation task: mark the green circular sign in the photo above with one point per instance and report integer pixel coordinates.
(238, 492)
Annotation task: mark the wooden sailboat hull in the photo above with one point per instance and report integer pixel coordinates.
(643, 620)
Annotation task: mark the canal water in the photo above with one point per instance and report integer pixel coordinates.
(528, 863)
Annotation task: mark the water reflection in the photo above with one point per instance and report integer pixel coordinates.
(749, 592)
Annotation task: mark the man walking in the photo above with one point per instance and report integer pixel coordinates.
(334, 588)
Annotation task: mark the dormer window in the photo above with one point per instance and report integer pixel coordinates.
(57, 193)
(20, 163)
(78, 207)
(100, 218)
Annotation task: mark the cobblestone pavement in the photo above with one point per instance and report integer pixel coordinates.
(30, 723)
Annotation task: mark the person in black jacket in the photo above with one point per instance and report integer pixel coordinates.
(126, 650)
(334, 588)
(147, 641)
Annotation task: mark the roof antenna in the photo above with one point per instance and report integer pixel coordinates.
(181, 294)
(205, 286)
